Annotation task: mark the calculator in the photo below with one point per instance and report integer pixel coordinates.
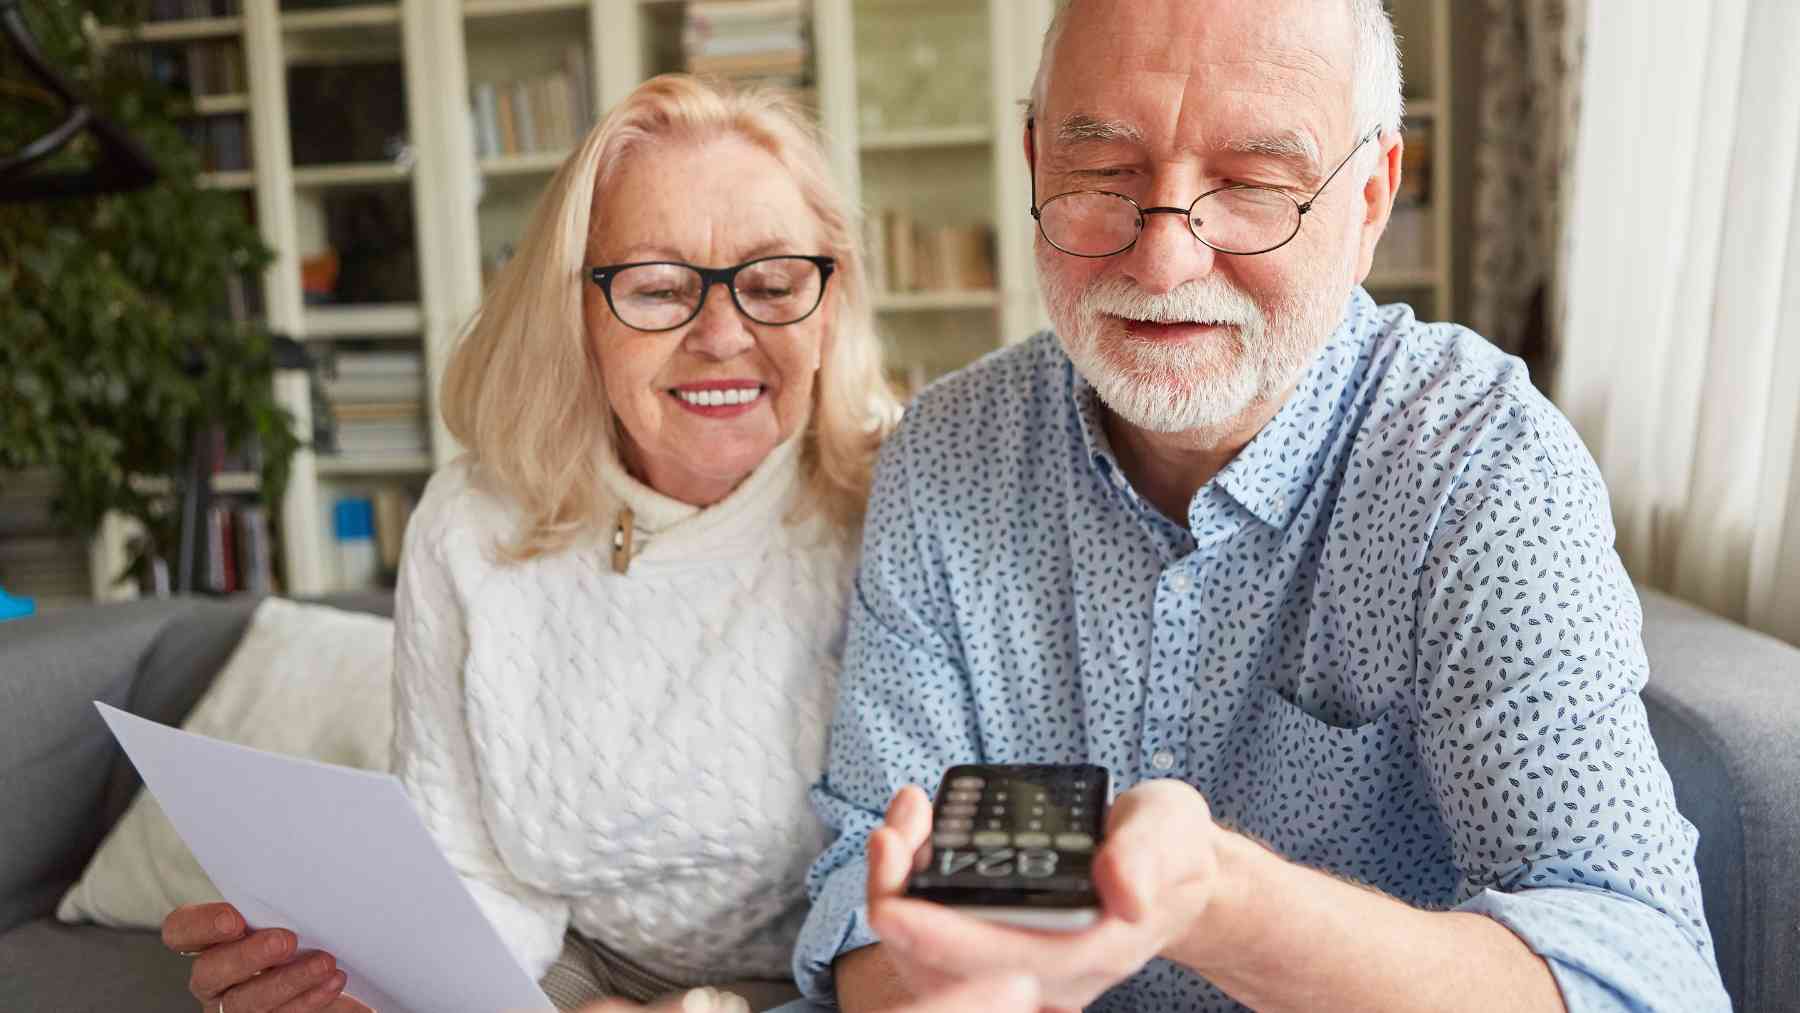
(1015, 843)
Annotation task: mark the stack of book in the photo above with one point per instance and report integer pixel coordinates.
(550, 112)
(377, 404)
(36, 559)
(905, 256)
(749, 41)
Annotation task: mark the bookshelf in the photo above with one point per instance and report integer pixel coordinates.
(1413, 263)
(412, 202)
(918, 100)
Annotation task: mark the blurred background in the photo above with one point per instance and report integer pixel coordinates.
(346, 175)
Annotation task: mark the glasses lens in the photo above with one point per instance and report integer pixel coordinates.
(1248, 219)
(1089, 224)
(780, 290)
(654, 297)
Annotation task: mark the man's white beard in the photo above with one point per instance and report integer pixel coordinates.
(1169, 386)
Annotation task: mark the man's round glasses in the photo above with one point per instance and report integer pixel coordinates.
(661, 295)
(1239, 218)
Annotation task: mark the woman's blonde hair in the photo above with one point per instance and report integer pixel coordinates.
(523, 388)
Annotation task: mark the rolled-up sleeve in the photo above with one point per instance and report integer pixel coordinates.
(1534, 738)
(904, 713)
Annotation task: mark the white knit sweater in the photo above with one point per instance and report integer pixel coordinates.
(628, 756)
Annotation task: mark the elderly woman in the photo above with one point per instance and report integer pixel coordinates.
(620, 612)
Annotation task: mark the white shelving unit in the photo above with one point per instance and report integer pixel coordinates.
(967, 168)
(1414, 261)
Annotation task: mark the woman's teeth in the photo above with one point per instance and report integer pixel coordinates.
(715, 398)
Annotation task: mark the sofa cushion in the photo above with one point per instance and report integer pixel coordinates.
(56, 754)
(304, 680)
(89, 969)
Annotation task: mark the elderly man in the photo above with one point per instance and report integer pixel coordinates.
(1334, 589)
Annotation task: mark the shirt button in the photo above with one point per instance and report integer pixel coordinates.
(1180, 582)
(1162, 759)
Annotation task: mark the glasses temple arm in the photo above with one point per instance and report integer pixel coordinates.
(1366, 138)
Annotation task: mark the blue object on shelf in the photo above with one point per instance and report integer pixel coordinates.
(15, 608)
(353, 518)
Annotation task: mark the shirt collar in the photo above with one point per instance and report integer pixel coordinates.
(1276, 470)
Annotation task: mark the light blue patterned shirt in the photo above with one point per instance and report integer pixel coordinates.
(1393, 640)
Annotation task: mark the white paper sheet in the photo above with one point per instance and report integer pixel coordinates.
(340, 857)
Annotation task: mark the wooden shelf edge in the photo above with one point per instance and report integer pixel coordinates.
(333, 466)
(219, 105)
(237, 179)
(522, 164)
(948, 299)
(504, 8)
(180, 30)
(927, 137)
(341, 17)
(391, 320)
(351, 174)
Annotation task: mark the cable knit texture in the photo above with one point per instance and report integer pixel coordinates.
(625, 755)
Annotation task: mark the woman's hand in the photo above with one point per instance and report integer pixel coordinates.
(240, 971)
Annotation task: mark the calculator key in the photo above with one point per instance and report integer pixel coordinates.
(962, 796)
(951, 839)
(1031, 839)
(957, 809)
(992, 839)
(1074, 842)
(956, 823)
(968, 783)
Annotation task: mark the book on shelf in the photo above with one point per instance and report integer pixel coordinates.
(548, 112)
(393, 508)
(907, 256)
(746, 41)
(239, 554)
(1415, 165)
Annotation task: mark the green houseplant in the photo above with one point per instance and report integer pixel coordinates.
(115, 347)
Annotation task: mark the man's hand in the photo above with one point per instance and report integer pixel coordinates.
(1156, 873)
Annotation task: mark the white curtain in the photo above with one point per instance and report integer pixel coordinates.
(1679, 348)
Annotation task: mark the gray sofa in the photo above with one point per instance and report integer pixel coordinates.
(1724, 705)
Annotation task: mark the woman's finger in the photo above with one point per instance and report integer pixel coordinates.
(327, 995)
(195, 927)
(278, 986)
(228, 965)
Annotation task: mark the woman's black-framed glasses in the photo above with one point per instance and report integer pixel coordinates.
(1242, 219)
(661, 295)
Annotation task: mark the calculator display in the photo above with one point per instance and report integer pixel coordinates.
(1014, 835)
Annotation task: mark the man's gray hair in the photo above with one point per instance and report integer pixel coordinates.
(1376, 100)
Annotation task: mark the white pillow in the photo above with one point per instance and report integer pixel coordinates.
(306, 680)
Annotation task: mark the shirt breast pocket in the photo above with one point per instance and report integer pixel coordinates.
(1347, 797)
